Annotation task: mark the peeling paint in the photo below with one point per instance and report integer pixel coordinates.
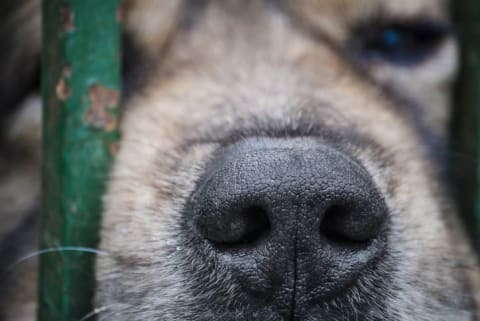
(67, 71)
(62, 90)
(113, 149)
(68, 23)
(103, 100)
(119, 14)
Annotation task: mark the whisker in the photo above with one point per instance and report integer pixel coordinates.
(55, 249)
(94, 313)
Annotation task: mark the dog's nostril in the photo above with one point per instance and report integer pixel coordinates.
(341, 225)
(241, 226)
(256, 226)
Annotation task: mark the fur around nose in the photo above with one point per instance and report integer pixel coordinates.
(289, 214)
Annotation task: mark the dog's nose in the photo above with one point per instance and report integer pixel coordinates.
(291, 213)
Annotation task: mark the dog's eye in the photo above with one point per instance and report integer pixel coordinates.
(400, 43)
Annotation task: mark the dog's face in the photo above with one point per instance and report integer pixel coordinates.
(279, 161)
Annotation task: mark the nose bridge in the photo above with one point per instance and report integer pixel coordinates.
(301, 172)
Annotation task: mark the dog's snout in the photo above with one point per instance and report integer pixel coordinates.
(290, 208)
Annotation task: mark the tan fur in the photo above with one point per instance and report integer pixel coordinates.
(151, 22)
(247, 65)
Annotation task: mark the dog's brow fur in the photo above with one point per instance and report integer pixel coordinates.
(203, 75)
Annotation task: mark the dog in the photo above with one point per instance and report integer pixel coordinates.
(279, 160)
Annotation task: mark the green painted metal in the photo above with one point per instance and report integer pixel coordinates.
(80, 86)
(466, 124)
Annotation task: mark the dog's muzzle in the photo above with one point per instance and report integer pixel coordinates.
(293, 221)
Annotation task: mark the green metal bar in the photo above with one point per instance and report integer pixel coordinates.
(81, 92)
(466, 125)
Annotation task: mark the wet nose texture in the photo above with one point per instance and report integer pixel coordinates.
(293, 221)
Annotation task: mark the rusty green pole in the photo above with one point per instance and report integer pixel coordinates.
(81, 93)
(466, 124)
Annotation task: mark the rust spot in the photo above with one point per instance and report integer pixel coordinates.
(62, 90)
(103, 99)
(67, 71)
(66, 13)
(113, 149)
(119, 15)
